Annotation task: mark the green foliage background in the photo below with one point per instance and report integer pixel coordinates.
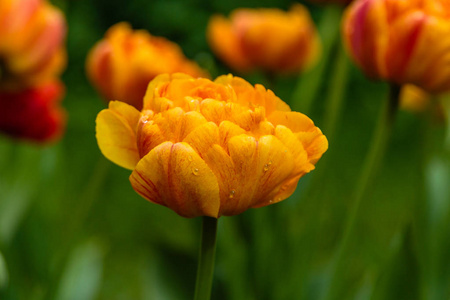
(71, 226)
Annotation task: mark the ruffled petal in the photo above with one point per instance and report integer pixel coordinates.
(227, 130)
(260, 166)
(314, 142)
(174, 175)
(172, 125)
(295, 121)
(203, 137)
(295, 146)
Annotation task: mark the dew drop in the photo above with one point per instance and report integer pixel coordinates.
(232, 194)
(195, 171)
(190, 157)
(266, 166)
(270, 201)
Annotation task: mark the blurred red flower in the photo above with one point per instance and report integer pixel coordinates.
(33, 113)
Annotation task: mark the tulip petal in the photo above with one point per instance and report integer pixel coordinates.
(116, 134)
(366, 34)
(227, 130)
(260, 166)
(276, 163)
(428, 66)
(293, 120)
(174, 175)
(295, 146)
(286, 189)
(203, 137)
(315, 144)
(156, 90)
(246, 95)
(406, 34)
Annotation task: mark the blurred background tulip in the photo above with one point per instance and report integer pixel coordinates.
(122, 64)
(31, 43)
(268, 40)
(401, 41)
(33, 113)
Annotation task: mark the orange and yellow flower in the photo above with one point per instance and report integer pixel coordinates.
(210, 148)
(401, 41)
(268, 40)
(31, 43)
(122, 64)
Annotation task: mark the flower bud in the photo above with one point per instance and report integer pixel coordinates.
(122, 64)
(401, 41)
(210, 148)
(269, 40)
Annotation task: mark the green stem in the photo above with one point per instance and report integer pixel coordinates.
(369, 171)
(206, 259)
(309, 84)
(335, 94)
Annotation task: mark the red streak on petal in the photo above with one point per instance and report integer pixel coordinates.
(411, 43)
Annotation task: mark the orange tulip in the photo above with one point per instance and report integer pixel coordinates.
(122, 64)
(34, 113)
(269, 40)
(401, 41)
(31, 50)
(210, 148)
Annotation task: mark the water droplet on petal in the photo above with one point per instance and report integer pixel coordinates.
(266, 166)
(190, 157)
(195, 171)
(232, 194)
